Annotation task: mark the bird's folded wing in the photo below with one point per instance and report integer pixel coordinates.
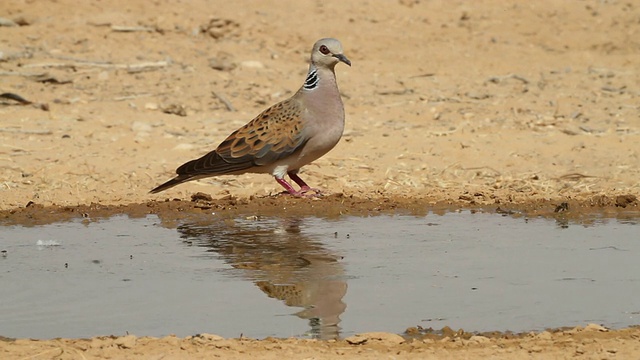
(276, 133)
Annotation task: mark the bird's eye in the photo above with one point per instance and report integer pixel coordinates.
(324, 50)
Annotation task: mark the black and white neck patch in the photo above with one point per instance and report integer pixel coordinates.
(312, 80)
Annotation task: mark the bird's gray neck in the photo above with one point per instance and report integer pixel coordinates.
(312, 80)
(315, 76)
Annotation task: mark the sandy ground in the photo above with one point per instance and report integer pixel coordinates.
(508, 104)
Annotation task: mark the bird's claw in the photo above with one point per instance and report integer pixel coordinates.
(305, 192)
(306, 189)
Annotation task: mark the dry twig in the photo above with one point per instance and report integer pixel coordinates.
(224, 100)
(132, 68)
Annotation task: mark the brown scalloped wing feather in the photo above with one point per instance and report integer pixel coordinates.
(274, 134)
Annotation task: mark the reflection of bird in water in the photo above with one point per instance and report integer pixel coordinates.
(283, 262)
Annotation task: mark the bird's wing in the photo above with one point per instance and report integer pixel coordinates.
(276, 133)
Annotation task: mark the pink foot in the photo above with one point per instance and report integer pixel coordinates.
(304, 190)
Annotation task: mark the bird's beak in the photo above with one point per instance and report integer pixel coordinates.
(342, 58)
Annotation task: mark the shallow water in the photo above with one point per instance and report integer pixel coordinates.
(315, 277)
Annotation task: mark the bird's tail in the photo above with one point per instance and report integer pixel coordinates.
(171, 183)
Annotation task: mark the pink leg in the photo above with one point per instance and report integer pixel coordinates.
(304, 188)
(288, 187)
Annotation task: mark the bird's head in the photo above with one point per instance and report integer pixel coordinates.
(328, 52)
